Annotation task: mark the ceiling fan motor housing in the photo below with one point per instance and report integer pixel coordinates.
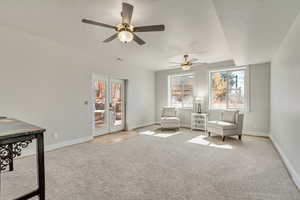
(124, 27)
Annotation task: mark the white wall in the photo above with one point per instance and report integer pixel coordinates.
(285, 100)
(256, 120)
(45, 83)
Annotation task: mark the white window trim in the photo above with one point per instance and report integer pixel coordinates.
(169, 89)
(247, 87)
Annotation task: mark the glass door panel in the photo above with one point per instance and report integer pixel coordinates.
(100, 101)
(100, 107)
(117, 104)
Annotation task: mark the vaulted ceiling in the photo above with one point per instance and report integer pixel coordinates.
(247, 31)
(254, 29)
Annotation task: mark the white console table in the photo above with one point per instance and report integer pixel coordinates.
(199, 121)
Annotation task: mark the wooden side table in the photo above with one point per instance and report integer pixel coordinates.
(16, 135)
(199, 121)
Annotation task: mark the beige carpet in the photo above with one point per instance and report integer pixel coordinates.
(159, 165)
(114, 137)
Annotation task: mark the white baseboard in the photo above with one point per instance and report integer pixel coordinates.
(60, 145)
(141, 126)
(185, 126)
(295, 176)
(255, 133)
(181, 125)
(68, 143)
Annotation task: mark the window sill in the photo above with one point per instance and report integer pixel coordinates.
(228, 109)
(182, 108)
(185, 108)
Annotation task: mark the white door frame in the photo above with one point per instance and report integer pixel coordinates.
(109, 127)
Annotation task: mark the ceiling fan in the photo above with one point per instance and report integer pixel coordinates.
(126, 31)
(186, 64)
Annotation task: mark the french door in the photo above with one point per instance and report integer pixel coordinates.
(109, 105)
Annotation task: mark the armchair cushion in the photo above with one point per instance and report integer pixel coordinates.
(170, 119)
(229, 116)
(222, 125)
(168, 112)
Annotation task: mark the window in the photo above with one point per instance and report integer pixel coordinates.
(181, 91)
(227, 89)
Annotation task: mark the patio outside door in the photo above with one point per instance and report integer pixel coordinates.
(109, 109)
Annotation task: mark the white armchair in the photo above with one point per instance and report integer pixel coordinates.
(169, 118)
(231, 123)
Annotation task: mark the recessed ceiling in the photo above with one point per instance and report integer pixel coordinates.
(215, 30)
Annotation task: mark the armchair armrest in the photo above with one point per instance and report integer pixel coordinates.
(240, 119)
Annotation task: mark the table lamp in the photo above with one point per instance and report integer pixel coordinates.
(199, 101)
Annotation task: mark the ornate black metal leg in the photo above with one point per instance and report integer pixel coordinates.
(12, 150)
(11, 164)
(41, 165)
(6, 156)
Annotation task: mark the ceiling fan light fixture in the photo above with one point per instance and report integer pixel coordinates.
(125, 36)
